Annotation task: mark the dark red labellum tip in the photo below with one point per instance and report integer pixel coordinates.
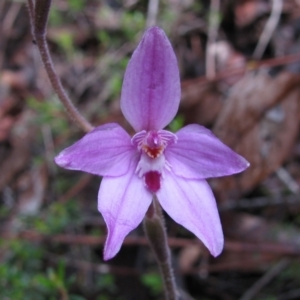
(152, 180)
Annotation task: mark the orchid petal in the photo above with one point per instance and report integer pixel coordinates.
(123, 202)
(151, 87)
(105, 151)
(191, 203)
(199, 154)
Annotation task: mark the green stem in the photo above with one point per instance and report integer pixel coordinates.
(156, 233)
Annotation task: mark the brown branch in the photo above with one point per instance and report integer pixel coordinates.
(234, 246)
(40, 13)
(263, 281)
(251, 66)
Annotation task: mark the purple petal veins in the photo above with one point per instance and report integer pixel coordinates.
(199, 154)
(191, 203)
(151, 88)
(154, 161)
(123, 202)
(105, 151)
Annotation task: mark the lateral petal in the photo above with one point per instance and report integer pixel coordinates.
(105, 151)
(192, 204)
(123, 201)
(199, 154)
(151, 87)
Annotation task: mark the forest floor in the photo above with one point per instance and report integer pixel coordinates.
(240, 72)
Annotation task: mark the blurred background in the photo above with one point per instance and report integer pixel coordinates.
(239, 63)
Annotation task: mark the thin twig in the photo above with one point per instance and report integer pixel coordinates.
(100, 268)
(49, 146)
(75, 189)
(257, 202)
(30, 7)
(71, 239)
(263, 281)
(240, 71)
(268, 29)
(213, 26)
(152, 13)
(39, 12)
(288, 180)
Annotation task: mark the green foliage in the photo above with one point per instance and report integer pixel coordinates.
(107, 282)
(55, 219)
(29, 273)
(4, 210)
(115, 69)
(49, 112)
(197, 6)
(56, 18)
(65, 41)
(116, 84)
(76, 5)
(104, 38)
(153, 282)
(132, 22)
(177, 123)
(22, 275)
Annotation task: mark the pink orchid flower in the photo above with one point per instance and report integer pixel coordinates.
(172, 166)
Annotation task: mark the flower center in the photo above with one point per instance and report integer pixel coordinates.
(152, 145)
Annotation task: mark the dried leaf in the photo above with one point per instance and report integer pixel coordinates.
(260, 121)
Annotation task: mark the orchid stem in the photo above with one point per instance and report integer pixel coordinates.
(38, 13)
(156, 233)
